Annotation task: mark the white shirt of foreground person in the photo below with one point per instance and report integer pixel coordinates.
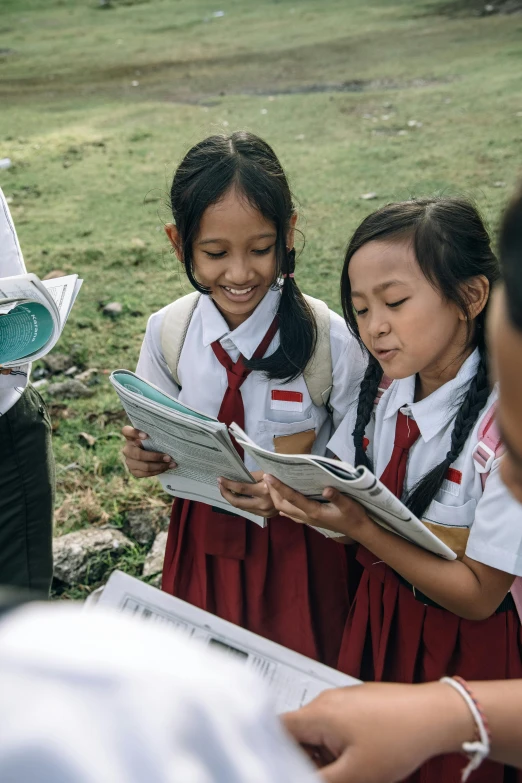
(204, 379)
(11, 263)
(101, 698)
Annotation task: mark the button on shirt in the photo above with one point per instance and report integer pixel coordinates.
(204, 381)
(493, 516)
(94, 697)
(11, 263)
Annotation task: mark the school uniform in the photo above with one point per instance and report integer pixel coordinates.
(286, 582)
(395, 632)
(26, 458)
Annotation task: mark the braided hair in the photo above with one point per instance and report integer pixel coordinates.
(452, 246)
(245, 162)
(367, 394)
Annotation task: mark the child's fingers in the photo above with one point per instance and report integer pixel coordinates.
(294, 500)
(130, 450)
(131, 433)
(144, 463)
(261, 505)
(144, 469)
(345, 505)
(252, 490)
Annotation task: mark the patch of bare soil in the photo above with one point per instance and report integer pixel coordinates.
(477, 7)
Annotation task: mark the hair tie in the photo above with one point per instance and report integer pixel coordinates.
(290, 264)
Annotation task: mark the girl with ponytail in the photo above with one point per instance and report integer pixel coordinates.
(247, 351)
(415, 288)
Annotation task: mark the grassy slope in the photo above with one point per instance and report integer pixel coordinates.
(94, 155)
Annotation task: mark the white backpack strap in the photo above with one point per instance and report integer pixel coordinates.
(174, 330)
(318, 373)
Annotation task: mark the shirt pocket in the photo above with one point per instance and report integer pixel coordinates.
(295, 437)
(451, 524)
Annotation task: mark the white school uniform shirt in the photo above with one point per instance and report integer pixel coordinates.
(204, 380)
(11, 263)
(102, 698)
(492, 516)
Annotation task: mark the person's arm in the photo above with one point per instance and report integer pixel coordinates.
(467, 588)
(381, 733)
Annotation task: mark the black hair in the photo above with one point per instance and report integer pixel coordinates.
(511, 258)
(451, 245)
(246, 162)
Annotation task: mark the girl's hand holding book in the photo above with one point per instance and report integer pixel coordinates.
(249, 497)
(140, 462)
(341, 514)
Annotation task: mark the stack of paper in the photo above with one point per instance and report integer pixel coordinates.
(293, 679)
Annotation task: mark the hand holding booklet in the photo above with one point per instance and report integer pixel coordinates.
(293, 679)
(33, 313)
(310, 474)
(199, 444)
(203, 450)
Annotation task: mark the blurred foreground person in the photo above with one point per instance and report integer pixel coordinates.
(100, 698)
(380, 733)
(26, 457)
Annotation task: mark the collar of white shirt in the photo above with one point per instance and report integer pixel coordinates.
(249, 334)
(432, 413)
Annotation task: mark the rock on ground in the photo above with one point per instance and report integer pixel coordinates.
(58, 362)
(113, 309)
(154, 561)
(69, 389)
(82, 557)
(144, 523)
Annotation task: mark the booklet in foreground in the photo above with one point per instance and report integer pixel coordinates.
(199, 444)
(310, 475)
(33, 313)
(293, 679)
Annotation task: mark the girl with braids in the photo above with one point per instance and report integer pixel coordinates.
(415, 287)
(248, 347)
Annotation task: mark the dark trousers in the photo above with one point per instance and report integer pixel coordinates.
(27, 484)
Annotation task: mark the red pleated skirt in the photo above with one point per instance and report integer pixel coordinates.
(392, 637)
(285, 582)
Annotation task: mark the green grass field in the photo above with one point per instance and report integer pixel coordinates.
(98, 105)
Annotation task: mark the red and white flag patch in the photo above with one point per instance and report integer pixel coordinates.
(452, 481)
(283, 400)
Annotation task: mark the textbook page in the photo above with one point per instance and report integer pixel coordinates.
(199, 444)
(311, 474)
(33, 313)
(293, 679)
(64, 291)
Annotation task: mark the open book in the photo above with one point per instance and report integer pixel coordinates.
(293, 679)
(199, 444)
(310, 475)
(33, 313)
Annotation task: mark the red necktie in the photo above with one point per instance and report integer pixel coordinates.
(226, 533)
(406, 433)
